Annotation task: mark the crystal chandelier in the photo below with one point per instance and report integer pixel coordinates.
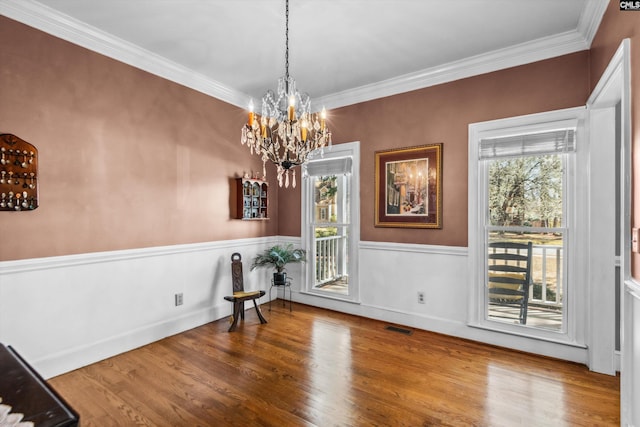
(286, 131)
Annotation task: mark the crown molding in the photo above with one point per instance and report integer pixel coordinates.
(525, 53)
(591, 18)
(50, 21)
(43, 18)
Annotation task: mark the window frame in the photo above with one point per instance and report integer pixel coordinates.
(340, 151)
(574, 199)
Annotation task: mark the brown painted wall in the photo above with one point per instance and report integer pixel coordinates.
(442, 114)
(130, 160)
(617, 25)
(127, 159)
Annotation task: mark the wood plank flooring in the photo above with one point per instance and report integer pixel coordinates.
(314, 367)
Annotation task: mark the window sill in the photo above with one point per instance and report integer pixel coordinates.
(566, 341)
(331, 296)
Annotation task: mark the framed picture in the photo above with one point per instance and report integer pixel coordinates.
(409, 187)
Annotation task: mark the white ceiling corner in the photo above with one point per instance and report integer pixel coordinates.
(67, 19)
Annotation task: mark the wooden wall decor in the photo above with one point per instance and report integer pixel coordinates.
(18, 174)
(252, 197)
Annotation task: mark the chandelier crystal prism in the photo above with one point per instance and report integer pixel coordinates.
(286, 131)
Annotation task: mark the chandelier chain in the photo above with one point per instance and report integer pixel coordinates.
(286, 35)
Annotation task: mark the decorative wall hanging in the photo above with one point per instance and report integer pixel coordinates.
(409, 187)
(252, 198)
(18, 174)
(287, 131)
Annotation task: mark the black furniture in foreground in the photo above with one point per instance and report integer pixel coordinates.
(284, 285)
(22, 388)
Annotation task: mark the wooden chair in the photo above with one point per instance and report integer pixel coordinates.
(509, 275)
(239, 295)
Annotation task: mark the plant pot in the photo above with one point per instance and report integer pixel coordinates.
(279, 279)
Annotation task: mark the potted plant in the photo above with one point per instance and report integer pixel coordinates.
(277, 257)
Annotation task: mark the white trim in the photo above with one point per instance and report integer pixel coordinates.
(527, 123)
(630, 355)
(608, 90)
(632, 287)
(414, 247)
(75, 357)
(569, 351)
(571, 334)
(352, 150)
(128, 293)
(525, 53)
(51, 21)
(46, 19)
(591, 18)
(615, 86)
(523, 333)
(328, 295)
(600, 262)
(297, 241)
(64, 261)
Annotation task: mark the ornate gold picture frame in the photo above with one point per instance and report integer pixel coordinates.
(409, 187)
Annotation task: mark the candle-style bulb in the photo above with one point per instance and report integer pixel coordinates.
(263, 127)
(292, 107)
(304, 125)
(323, 117)
(251, 113)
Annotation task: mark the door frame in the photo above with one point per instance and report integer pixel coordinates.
(613, 88)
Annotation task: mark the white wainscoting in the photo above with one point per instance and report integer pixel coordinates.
(61, 313)
(392, 274)
(631, 354)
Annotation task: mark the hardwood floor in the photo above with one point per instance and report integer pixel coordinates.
(313, 367)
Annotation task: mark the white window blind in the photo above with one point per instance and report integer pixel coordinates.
(327, 167)
(553, 142)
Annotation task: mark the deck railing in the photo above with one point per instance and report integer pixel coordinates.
(329, 259)
(547, 272)
(546, 275)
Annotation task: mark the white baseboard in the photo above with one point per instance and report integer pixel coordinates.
(62, 313)
(74, 358)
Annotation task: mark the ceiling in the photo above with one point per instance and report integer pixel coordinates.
(341, 51)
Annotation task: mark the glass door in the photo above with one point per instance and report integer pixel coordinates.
(330, 227)
(330, 212)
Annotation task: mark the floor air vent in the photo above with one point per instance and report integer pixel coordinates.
(400, 330)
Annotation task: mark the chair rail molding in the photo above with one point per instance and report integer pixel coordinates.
(65, 312)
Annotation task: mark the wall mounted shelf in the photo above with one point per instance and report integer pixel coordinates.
(252, 196)
(18, 174)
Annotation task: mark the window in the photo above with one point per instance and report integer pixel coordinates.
(323, 210)
(524, 203)
(522, 230)
(330, 222)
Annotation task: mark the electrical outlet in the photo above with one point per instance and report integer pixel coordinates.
(421, 297)
(179, 300)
